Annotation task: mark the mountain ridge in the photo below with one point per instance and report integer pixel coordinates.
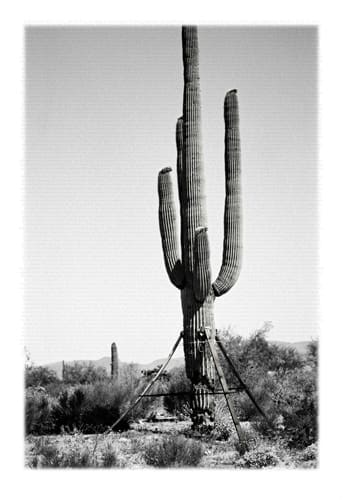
(105, 361)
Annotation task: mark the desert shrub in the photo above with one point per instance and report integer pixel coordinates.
(307, 458)
(260, 457)
(136, 444)
(39, 409)
(294, 408)
(94, 407)
(83, 373)
(74, 453)
(173, 451)
(223, 424)
(109, 456)
(86, 407)
(67, 412)
(262, 389)
(309, 453)
(103, 404)
(44, 454)
(296, 401)
(132, 383)
(255, 357)
(39, 376)
(178, 382)
(150, 373)
(77, 458)
(282, 381)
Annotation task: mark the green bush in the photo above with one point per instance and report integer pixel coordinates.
(173, 451)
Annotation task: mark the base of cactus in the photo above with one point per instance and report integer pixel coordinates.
(202, 408)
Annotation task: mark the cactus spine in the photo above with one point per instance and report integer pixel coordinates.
(114, 361)
(191, 271)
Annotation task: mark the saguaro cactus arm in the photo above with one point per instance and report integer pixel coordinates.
(202, 270)
(232, 247)
(167, 220)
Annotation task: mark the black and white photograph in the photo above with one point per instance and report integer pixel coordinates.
(171, 226)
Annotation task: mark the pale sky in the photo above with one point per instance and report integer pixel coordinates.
(101, 109)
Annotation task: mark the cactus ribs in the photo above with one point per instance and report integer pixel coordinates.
(190, 271)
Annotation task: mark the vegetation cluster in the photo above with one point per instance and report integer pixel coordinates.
(87, 401)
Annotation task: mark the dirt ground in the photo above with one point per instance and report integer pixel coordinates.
(129, 446)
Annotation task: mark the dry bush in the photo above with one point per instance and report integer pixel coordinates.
(73, 452)
(173, 451)
(223, 425)
(260, 457)
(109, 455)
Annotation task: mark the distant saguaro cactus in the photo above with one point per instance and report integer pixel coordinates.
(114, 361)
(191, 271)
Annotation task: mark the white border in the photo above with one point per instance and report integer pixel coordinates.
(150, 484)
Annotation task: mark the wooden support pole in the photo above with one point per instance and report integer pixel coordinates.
(224, 386)
(235, 371)
(184, 393)
(147, 387)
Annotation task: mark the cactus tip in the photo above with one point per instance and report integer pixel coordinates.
(233, 91)
(165, 170)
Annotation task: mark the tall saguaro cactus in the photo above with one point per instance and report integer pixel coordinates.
(114, 361)
(190, 271)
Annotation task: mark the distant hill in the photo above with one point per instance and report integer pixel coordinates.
(105, 362)
(300, 347)
(102, 362)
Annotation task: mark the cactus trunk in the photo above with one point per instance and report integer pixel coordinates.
(198, 360)
(191, 271)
